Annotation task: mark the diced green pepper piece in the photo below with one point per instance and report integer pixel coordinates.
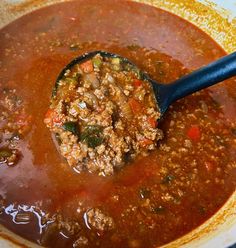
(71, 127)
(116, 64)
(96, 62)
(115, 61)
(71, 80)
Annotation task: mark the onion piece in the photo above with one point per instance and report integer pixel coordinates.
(91, 97)
(122, 102)
(91, 77)
(120, 98)
(126, 111)
(110, 79)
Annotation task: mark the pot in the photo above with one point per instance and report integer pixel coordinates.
(217, 18)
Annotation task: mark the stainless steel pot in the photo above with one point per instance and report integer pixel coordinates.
(217, 18)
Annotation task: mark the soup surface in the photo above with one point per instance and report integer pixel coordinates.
(149, 202)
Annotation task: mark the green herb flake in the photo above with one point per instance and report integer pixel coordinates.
(144, 193)
(92, 135)
(168, 179)
(158, 209)
(71, 127)
(202, 210)
(139, 74)
(94, 141)
(76, 76)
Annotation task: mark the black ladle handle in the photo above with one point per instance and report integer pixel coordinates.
(204, 77)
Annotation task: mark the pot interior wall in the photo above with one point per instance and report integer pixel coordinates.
(220, 230)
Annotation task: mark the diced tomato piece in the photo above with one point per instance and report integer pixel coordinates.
(135, 106)
(194, 133)
(87, 66)
(145, 142)
(49, 113)
(137, 83)
(57, 120)
(152, 121)
(52, 118)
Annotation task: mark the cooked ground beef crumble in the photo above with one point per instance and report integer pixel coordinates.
(103, 115)
(14, 123)
(98, 220)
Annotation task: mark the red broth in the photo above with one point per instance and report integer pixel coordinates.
(150, 202)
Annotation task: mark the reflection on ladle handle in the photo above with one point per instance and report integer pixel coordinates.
(204, 77)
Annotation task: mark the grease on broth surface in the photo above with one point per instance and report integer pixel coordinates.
(151, 202)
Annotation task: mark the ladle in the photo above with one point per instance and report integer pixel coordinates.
(166, 94)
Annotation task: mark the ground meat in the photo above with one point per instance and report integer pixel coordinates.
(80, 242)
(103, 113)
(98, 220)
(14, 124)
(57, 224)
